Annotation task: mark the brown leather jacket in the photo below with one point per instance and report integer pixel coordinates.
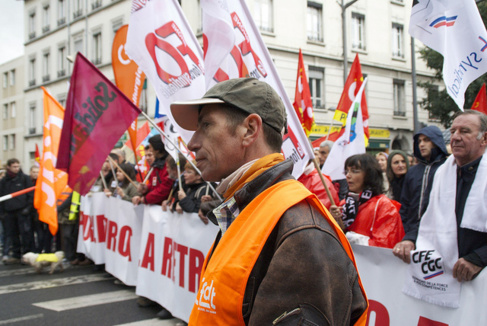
(303, 274)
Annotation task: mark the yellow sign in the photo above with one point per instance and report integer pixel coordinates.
(320, 131)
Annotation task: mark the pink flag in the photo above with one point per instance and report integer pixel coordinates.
(249, 57)
(97, 114)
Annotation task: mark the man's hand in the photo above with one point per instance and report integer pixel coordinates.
(206, 198)
(179, 209)
(403, 250)
(136, 200)
(465, 270)
(202, 216)
(181, 194)
(164, 205)
(142, 188)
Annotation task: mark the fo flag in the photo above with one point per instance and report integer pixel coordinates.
(302, 98)
(162, 43)
(248, 57)
(480, 103)
(97, 114)
(454, 29)
(51, 181)
(351, 142)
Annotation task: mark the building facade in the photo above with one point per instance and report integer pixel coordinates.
(55, 30)
(12, 128)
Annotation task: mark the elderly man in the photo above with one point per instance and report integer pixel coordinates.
(278, 257)
(325, 148)
(455, 219)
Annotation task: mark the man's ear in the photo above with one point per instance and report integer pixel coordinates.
(483, 140)
(253, 125)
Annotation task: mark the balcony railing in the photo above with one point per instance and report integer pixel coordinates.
(32, 82)
(61, 21)
(32, 35)
(46, 78)
(96, 4)
(32, 131)
(61, 73)
(96, 61)
(46, 29)
(77, 13)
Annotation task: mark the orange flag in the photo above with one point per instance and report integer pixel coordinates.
(352, 86)
(480, 103)
(129, 78)
(303, 105)
(51, 181)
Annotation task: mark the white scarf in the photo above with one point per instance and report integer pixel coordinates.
(430, 274)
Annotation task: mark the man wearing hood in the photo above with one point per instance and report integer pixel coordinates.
(430, 152)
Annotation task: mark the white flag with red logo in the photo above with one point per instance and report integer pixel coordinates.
(456, 30)
(162, 43)
(248, 57)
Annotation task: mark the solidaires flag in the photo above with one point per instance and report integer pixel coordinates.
(97, 114)
(50, 182)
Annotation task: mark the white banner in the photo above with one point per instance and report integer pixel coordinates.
(383, 277)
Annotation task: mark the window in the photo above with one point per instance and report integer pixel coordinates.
(45, 67)
(314, 22)
(263, 15)
(12, 142)
(32, 72)
(62, 100)
(5, 143)
(45, 19)
(12, 77)
(13, 110)
(61, 12)
(316, 78)
(399, 98)
(5, 111)
(78, 45)
(61, 63)
(32, 25)
(77, 8)
(32, 119)
(143, 97)
(397, 41)
(97, 48)
(358, 31)
(5, 79)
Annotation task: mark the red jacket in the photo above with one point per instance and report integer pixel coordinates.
(159, 186)
(379, 219)
(312, 182)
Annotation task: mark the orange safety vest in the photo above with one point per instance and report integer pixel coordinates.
(224, 278)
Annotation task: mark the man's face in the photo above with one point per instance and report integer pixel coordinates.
(219, 151)
(465, 145)
(34, 173)
(149, 156)
(14, 168)
(324, 151)
(425, 146)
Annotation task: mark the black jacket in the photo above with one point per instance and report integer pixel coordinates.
(302, 266)
(418, 181)
(13, 183)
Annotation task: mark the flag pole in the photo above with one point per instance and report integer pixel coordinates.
(103, 180)
(17, 193)
(177, 147)
(148, 175)
(123, 172)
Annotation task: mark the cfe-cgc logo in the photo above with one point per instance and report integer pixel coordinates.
(204, 299)
(431, 264)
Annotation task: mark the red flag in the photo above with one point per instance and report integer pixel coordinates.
(332, 137)
(480, 103)
(97, 114)
(302, 98)
(142, 133)
(37, 156)
(352, 86)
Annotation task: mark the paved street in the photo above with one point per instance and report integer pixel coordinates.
(78, 296)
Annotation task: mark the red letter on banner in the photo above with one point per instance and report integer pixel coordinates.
(381, 314)
(183, 251)
(423, 321)
(167, 257)
(124, 242)
(112, 235)
(101, 225)
(148, 258)
(196, 259)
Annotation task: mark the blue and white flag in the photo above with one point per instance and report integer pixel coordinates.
(454, 29)
(351, 142)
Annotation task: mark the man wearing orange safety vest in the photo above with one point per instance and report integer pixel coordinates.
(279, 257)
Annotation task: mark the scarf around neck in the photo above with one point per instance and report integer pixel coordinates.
(352, 203)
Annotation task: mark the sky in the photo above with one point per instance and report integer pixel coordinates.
(11, 29)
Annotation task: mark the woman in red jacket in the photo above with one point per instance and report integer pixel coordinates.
(369, 217)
